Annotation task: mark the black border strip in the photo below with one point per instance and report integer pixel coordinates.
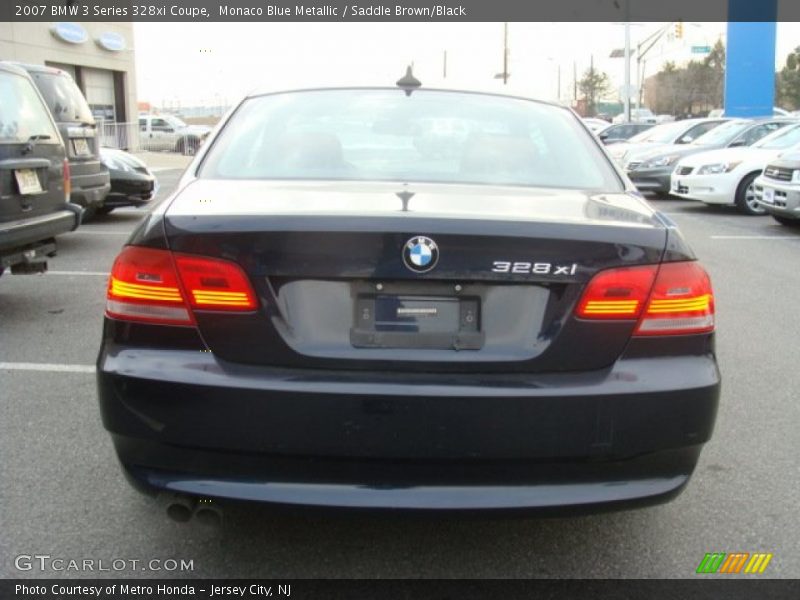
(701, 588)
(398, 10)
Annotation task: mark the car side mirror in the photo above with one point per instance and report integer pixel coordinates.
(603, 136)
(737, 143)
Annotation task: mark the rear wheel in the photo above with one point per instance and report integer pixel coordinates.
(787, 221)
(89, 213)
(746, 202)
(187, 146)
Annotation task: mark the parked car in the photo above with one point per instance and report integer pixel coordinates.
(320, 317)
(776, 112)
(727, 176)
(614, 134)
(778, 189)
(89, 179)
(168, 132)
(595, 125)
(132, 183)
(34, 177)
(679, 132)
(638, 115)
(651, 171)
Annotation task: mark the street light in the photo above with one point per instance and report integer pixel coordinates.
(505, 74)
(558, 77)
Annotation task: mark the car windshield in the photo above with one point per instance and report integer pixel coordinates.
(63, 97)
(661, 134)
(22, 113)
(722, 134)
(426, 136)
(784, 138)
(174, 121)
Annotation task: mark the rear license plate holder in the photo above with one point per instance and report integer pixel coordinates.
(28, 181)
(416, 321)
(81, 147)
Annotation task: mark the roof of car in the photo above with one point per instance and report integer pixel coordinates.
(261, 91)
(40, 69)
(12, 68)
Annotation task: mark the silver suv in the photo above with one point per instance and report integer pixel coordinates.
(778, 189)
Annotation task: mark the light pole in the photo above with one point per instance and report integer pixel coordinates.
(558, 77)
(627, 89)
(505, 74)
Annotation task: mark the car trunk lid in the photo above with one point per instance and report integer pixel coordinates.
(512, 263)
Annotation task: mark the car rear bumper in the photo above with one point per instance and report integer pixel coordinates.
(22, 232)
(91, 188)
(185, 422)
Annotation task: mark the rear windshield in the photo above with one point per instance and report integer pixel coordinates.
(64, 98)
(22, 113)
(385, 135)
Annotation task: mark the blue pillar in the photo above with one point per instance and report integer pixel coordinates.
(750, 58)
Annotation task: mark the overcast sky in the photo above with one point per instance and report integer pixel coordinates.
(214, 63)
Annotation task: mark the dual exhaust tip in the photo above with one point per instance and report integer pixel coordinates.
(182, 509)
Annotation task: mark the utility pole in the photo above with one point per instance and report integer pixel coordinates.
(558, 85)
(505, 53)
(444, 65)
(627, 87)
(574, 82)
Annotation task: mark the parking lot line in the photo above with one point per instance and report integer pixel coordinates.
(92, 273)
(48, 367)
(755, 237)
(98, 232)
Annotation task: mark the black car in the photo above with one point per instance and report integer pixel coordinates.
(325, 314)
(34, 177)
(622, 132)
(132, 183)
(90, 179)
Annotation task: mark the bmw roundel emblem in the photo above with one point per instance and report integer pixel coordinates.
(420, 254)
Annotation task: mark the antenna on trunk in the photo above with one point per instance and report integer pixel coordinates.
(408, 83)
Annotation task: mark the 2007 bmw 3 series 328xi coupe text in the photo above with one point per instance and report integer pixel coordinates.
(408, 299)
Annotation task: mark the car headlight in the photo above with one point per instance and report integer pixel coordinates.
(717, 168)
(796, 176)
(661, 161)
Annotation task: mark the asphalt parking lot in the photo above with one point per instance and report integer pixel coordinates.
(63, 495)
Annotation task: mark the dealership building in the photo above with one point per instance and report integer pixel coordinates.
(99, 56)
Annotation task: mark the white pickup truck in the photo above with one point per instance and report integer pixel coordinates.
(168, 132)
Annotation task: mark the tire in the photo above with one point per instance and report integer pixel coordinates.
(787, 221)
(187, 146)
(89, 213)
(746, 202)
(103, 211)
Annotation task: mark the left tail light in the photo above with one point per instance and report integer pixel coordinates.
(156, 286)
